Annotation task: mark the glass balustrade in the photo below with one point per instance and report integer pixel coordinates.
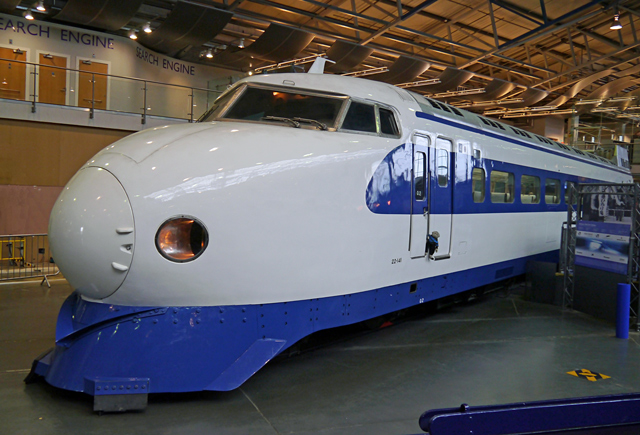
(91, 88)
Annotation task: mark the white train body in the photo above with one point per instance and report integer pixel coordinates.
(299, 228)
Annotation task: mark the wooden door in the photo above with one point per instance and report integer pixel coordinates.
(12, 74)
(92, 85)
(52, 82)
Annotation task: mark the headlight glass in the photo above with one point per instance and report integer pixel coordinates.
(182, 239)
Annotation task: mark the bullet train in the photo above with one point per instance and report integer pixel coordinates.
(297, 203)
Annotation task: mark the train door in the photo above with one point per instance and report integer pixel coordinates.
(419, 201)
(441, 195)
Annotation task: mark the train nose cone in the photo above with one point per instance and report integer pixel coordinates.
(91, 233)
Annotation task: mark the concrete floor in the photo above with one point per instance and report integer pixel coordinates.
(499, 349)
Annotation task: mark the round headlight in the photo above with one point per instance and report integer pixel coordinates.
(181, 239)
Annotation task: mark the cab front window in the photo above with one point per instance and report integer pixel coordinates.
(320, 110)
(287, 106)
(370, 118)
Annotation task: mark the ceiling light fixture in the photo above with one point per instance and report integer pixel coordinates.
(147, 28)
(28, 15)
(209, 54)
(616, 22)
(490, 103)
(368, 72)
(604, 109)
(299, 61)
(548, 113)
(41, 7)
(459, 93)
(418, 83)
(133, 34)
(241, 44)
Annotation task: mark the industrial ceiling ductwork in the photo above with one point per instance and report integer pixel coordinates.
(479, 54)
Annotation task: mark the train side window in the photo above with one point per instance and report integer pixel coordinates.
(502, 187)
(442, 161)
(567, 187)
(442, 157)
(388, 122)
(478, 184)
(552, 191)
(530, 189)
(419, 171)
(360, 117)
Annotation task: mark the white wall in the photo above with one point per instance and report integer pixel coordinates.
(124, 56)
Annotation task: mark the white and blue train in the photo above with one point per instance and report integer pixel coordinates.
(299, 202)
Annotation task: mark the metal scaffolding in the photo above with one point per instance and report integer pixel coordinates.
(577, 197)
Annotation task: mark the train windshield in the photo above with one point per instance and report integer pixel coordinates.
(218, 106)
(276, 105)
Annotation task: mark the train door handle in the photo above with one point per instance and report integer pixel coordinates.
(425, 211)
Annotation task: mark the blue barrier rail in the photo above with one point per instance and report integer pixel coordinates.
(586, 415)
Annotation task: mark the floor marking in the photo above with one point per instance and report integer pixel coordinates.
(468, 342)
(259, 412)
(588, 375)
(489, 319)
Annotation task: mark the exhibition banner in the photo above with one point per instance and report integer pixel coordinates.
(603, 245)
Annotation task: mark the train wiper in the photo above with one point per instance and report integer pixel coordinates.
(312, 121)
(293, 121)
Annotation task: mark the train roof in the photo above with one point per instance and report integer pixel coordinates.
(392, 95)
(441, 109)
(354, 87)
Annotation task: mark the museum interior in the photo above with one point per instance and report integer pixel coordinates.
(400, 216)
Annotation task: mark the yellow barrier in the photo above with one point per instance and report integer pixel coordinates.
(26, 256)
(15, 248)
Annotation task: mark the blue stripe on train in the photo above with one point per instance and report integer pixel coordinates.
(218, 348)
(389, 190)
(477, 130)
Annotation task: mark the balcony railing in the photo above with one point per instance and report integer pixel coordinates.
(96, 91)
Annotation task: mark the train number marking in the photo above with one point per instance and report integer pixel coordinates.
(396, 260)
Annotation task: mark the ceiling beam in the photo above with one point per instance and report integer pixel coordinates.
(593, 61)
(441, 52)
(545, 29)
(236, 4)
(598, 37)
(398, 20)
(552, 55)
(422, 46)
(518, 11)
